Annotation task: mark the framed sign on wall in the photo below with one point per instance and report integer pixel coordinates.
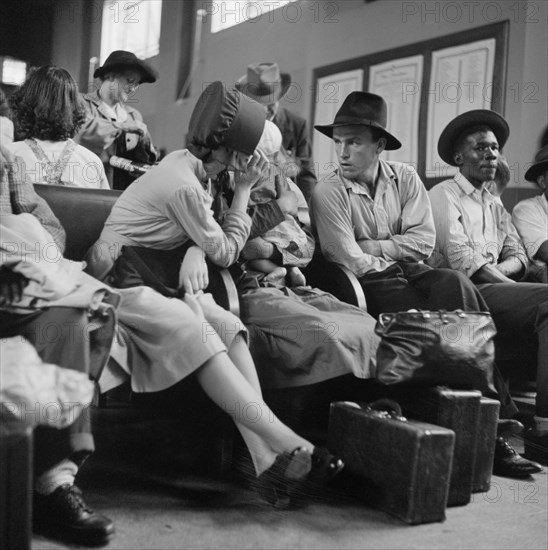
(425, 84)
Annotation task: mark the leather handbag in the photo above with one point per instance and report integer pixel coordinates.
(428, 348)
(158, 269)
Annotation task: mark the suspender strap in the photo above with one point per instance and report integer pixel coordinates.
(52, 170)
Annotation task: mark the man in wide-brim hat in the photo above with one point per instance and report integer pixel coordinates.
(373, 217)
(113, 127)
(264, 83)
(530, 216)
(476, 237)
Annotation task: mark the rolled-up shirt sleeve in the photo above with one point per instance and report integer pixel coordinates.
(512, 246)
(452, 242)
(330, 214)
(531, 225)
(190, 208)
(418, 235)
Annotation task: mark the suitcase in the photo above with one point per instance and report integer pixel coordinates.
(485, 444)
(15, 483)
(455, 410)
(402, 467)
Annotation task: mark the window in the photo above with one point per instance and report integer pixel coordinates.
(132, 25)
(13, 71)
(227, 13)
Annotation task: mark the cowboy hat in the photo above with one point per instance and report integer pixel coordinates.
(469, 120)
(362, 109)
(539, 166)
(121, 59)
(264, 83)
(225, 117)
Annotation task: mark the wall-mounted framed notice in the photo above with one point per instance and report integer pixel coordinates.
(425, 84)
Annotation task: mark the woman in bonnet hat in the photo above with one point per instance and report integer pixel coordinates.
(170, 207)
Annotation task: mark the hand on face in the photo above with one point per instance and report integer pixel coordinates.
(249, 174)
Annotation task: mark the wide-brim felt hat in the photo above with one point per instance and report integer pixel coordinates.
(120, 59)
(224, 116)
(539, 166)
(362, 109)
(264, 83)
(456, 128)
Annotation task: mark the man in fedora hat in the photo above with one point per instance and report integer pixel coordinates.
(374, 217)
(530, 217)
(475, 236)
(264, 83)
(112, 127)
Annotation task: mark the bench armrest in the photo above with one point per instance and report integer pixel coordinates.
(336, 280)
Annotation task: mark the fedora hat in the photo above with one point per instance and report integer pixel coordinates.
(469, 120)
(120, 59)
(264, 83)
(539, 166)
(362, 109)
(224, 116)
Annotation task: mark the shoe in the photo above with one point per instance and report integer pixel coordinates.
(325, 466)
(284, 478)
(509, 426)
(64, 515)
(536, 445)
(508, 463)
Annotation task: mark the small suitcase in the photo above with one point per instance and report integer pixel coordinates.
(15, 483)
(485, 444)
(455, 410)
(402, 467)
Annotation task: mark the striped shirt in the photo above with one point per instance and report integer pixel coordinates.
(472, 228)
(17, 196)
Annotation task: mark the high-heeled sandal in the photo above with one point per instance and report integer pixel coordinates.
(325, 466)
(279, 482)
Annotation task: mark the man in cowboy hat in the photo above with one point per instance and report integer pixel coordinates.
(112, 127)
(374, 217)
(475, 236)
(530, 217)
(264, 83)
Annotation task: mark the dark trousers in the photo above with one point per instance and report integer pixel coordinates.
(519, 311)
(406, 286)
(60, 336)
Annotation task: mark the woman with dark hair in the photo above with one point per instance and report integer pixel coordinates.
(6, 125)
(48, 112)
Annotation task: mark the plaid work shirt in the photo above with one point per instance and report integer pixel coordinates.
(17, 196)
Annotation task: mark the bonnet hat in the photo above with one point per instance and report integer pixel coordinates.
(224, 116)
(362, 109)
(120, 59)
(478, 117)
(264, 83)
(271, 139)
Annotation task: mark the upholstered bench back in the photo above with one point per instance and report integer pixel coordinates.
(82, 213)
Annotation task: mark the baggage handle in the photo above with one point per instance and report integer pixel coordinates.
(390, 407)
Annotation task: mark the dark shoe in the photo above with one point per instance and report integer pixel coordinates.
(536, 446)
(325, 466)
(508, 463)
(64, 515)
(509, 426)
(279, 482)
